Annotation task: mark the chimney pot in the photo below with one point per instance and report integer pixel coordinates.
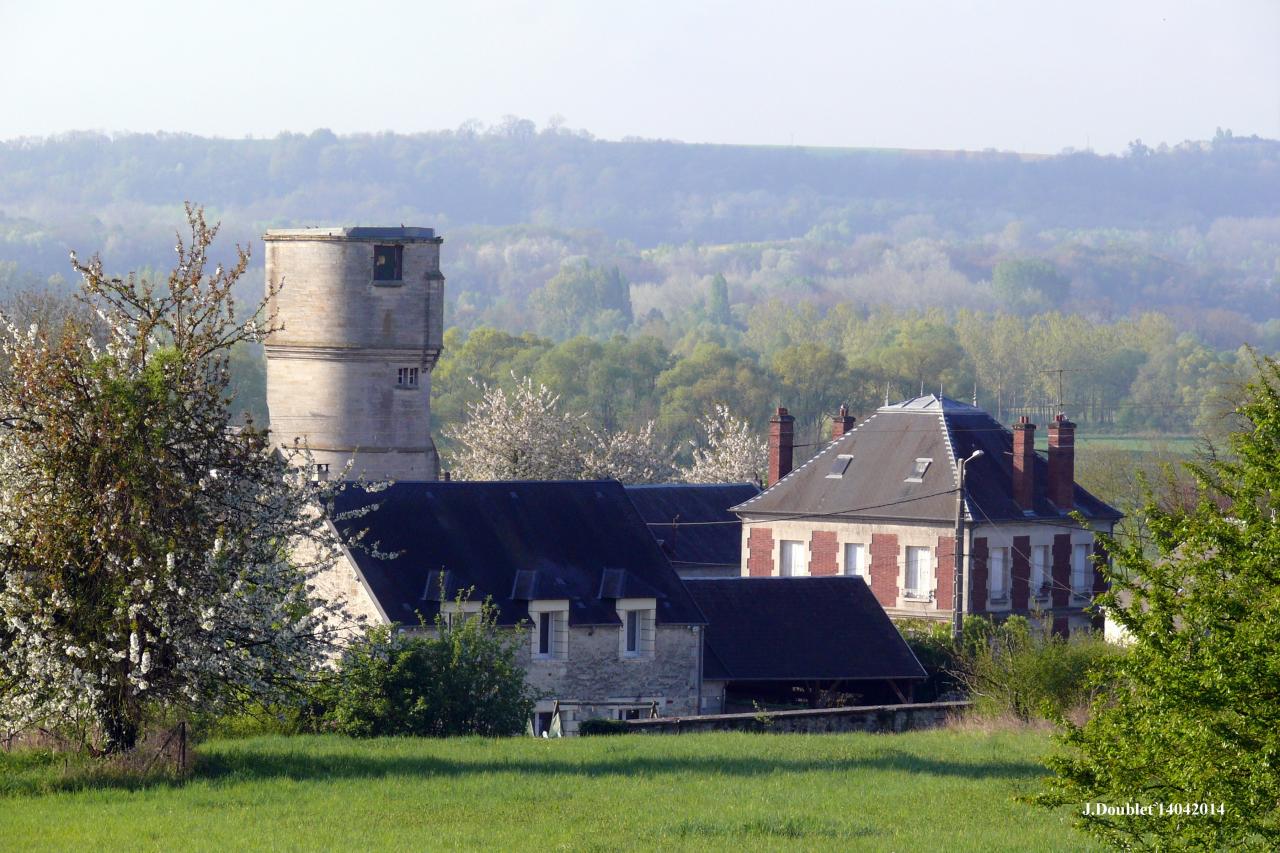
(782, 430)
(841, 423)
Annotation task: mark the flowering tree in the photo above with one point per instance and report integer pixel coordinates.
(145, 546)
(523, 435)
(732, 452)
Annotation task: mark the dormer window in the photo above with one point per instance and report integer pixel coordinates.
(387, 263)
(917, 470)
(407, 377)
(637, 616)
(550, 635)
(840, 466)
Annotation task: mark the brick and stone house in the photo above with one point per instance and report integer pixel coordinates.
(879, 501)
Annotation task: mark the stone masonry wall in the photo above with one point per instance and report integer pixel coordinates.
(593, 671)
(871, 718)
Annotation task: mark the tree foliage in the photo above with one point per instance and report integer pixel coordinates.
(462, 678)
(144, 543)
(730, 451)
(1195, 714)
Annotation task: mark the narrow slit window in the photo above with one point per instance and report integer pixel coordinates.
(544, 634)
(387, 263)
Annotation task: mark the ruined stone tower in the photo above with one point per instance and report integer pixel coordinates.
(350, 372)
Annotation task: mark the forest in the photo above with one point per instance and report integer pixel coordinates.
(649, 279)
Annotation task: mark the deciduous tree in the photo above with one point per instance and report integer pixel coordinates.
(145, 545)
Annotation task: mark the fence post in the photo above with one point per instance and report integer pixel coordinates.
(182, 747)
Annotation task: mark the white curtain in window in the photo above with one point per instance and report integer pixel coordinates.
(1039, 568)
(998, 574)
(919, 571)
(1081, 569)
(855, 559)
(792, 558)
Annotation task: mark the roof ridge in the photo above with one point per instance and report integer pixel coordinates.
(955, 463)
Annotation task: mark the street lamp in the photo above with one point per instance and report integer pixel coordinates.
(957, 577)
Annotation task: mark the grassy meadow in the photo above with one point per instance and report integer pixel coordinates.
(945, 789)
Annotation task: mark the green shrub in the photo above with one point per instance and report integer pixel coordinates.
(454, 680)
(1021, 669)
(602, 726)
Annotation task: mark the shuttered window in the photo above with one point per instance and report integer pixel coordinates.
(1041, 568)
(998, 573)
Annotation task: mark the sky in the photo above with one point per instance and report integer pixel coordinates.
(1022, 75)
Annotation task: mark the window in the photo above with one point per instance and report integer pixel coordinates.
(792, 562)
(638, 627)
(387, 262)
(917, 470)
(855, 559)
(1041, 568)
(455, 615)
(919, 573)
(840, 466)
(322, 471)
(550, 629)
(632, 713)
(998, 574)
(407, 377)
(1081, 570)
(633, 632)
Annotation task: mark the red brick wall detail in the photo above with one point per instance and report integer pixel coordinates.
(1060, 595)
(1020, 562)
(760, 552)
(884, 568)
(978, 574)
(822, 553)
(946, 571)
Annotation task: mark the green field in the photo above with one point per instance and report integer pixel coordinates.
(1171, 444)
(936, 790)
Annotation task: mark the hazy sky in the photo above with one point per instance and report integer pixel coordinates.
(1028, 75)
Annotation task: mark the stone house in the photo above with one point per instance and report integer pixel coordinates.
(879, 501)
(609, 629)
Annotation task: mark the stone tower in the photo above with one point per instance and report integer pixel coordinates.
(350, 372)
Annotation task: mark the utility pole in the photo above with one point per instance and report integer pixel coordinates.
(957, 576)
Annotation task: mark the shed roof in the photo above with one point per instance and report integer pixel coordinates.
(693, 521)
(799, 629)
(512, 541)
(878, 460)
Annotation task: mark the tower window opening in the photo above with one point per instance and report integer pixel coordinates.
(407, 377)
(387, 263)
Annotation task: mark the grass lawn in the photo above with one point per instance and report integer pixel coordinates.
(934, 790)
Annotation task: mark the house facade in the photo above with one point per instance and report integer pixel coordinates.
(880, 501)
(607, 627)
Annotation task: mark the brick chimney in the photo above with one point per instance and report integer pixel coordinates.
(1062, 463)
(782, 437)
(842, 422)
(1024, 463)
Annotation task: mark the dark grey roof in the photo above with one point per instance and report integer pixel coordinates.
(677, 514)
(877, 481)
(799, 629)
(582, 541)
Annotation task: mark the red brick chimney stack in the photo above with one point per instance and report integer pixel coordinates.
(1024, 463)
(1062, 463)
(782, 438)
(842, 422)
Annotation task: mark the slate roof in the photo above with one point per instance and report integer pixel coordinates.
(875, 482)
(514, 541)
(799, 629)
(677, 514)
